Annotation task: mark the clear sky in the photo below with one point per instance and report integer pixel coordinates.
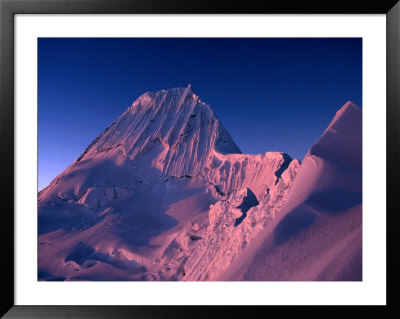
(270, 94)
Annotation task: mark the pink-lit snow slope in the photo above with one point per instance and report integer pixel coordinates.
(317, 236)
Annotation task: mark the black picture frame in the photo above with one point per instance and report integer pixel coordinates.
(8, 8)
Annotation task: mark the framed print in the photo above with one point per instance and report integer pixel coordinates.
(172, 159)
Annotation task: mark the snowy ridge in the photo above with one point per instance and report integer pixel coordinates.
(318, 232)
(259, 172)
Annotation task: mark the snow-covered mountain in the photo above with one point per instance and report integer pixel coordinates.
(318, 233)
(173, 129)
(164, 193)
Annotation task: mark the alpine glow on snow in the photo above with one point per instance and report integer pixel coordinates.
(170, 190)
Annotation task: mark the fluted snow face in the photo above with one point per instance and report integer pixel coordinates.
(162, 194)
(185, 128)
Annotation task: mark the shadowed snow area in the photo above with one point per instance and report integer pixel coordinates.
(333, 201)
(293, 223)
(249, 201)
(165, 194)
(317, 235)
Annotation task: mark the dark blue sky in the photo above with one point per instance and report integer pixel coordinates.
(270, 94)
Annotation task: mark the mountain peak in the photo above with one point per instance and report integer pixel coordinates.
(175, 125)
(177, 94)
(346, 113)
(159, 196)
(349, 106)
(341, 140)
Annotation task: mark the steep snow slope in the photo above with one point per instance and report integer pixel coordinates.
(318, 234)
(162, 194)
